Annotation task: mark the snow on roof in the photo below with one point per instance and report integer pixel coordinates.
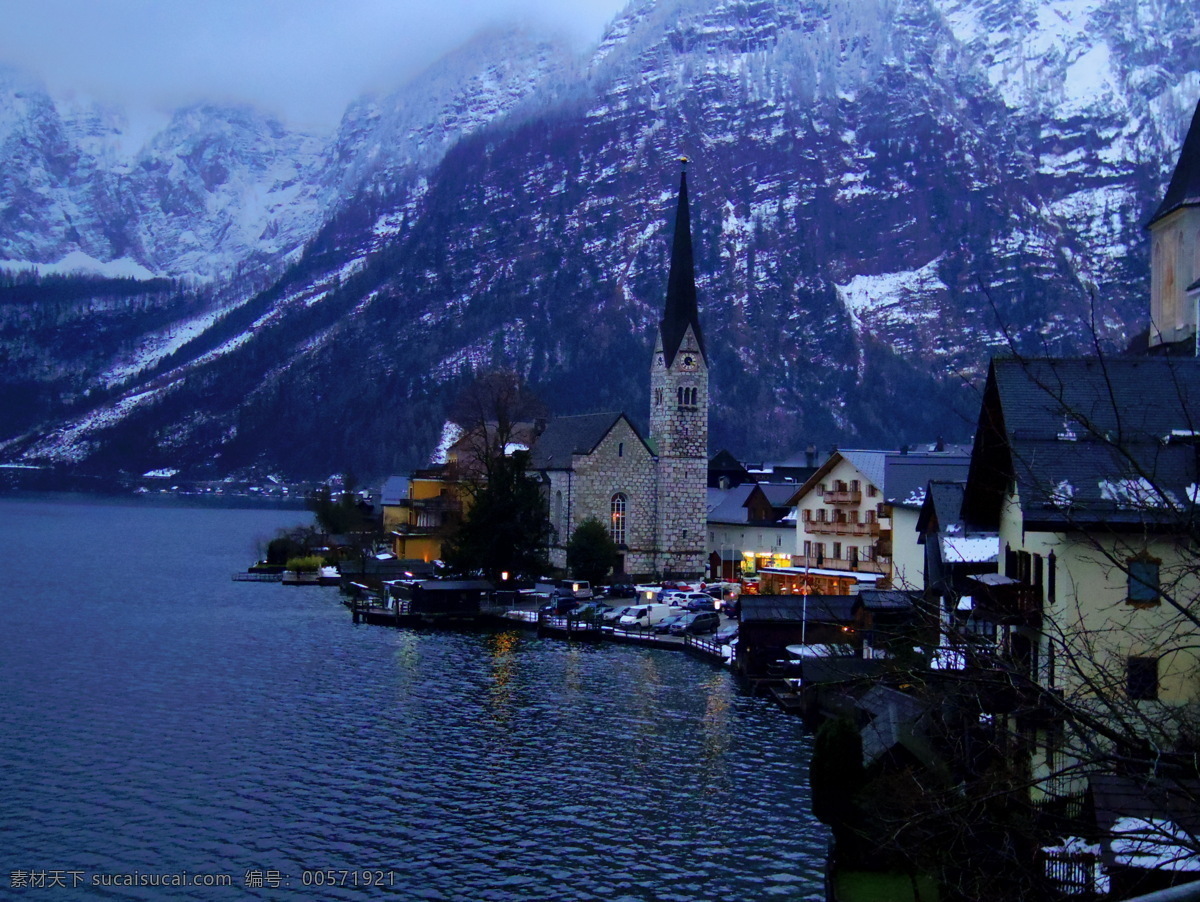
(970, 549)
(1153, 844)
(1136, 494)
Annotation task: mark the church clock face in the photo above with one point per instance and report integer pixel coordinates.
(689, 361)
(661, 360)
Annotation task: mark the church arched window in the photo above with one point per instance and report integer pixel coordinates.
(679, 395)
(617, 518)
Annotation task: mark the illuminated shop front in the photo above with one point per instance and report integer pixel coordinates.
(813, 581)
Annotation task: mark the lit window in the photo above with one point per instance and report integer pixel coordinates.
(617, 525)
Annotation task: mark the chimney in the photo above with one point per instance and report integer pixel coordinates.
(539, 426)
(941, 445)
(904, 450)
(810, 456)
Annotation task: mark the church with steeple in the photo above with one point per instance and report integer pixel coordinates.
(650, 491)
(1175, 255)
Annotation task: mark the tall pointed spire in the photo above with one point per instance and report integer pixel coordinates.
(681, 310)
(1184, 188)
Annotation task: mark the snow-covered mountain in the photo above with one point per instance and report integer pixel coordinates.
(884, 193)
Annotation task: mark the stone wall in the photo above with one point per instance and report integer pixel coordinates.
(620, 464)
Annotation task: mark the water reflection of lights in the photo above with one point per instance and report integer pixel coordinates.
(717, 730)
(408, 656)
(503, 648)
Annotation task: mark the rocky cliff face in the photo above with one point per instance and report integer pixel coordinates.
(884, 193)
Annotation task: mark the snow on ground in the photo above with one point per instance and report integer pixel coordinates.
(70, 443)
(1153, 843)
(157, 346)
(1089, 80)
(892, 298)
(79, 263)
(451, 433)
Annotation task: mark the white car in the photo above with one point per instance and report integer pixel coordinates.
(645, 615)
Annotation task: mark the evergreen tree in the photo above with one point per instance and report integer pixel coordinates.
(506, 528)
(591, 552)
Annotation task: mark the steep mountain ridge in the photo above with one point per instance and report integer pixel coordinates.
(883, 194)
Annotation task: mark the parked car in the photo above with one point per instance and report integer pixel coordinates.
(560, 605)
(699, 601)
(610, 618)
(664, 625)
(727, 634)
(593, 610)
(697, 623)
(622, 591)
(646, 615)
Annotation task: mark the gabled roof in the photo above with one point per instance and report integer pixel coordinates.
(880, 600)
(778, 494)
(1184, 187)
(567, 436)
(943, 505)
(906, 476)
(681, 309)
(797, 608)
(870, 463)
(730, 506)
(1087, 440)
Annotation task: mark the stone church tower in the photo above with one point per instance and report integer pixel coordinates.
(679, 412)
(1175, 254)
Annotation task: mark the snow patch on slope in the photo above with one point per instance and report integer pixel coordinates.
(891, 296)
(79, 263)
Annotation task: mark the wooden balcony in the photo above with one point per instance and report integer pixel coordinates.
(1002, 599)
(842, 496)
(840, 528)
(834, 563)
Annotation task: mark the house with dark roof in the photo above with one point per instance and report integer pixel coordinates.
(952, 557)
(906, 477)
(1088, 473)
(750, 527)
(856, 519)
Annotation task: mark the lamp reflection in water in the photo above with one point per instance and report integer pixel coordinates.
(504, 654)
(717, 731)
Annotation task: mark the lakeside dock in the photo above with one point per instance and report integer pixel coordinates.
(372, 611)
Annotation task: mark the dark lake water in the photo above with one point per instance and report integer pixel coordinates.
(158, 718)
